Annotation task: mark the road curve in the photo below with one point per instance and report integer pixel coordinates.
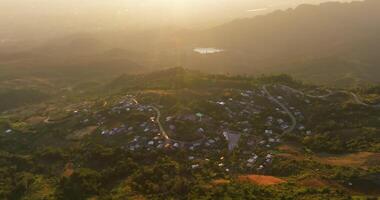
(294, 120)
(355, 97)
(162, 129)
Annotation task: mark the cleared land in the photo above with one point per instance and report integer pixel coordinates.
(261, 180)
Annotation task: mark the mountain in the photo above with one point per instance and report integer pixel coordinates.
(316, 38)
(332, 43)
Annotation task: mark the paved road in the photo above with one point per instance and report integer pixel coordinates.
(307, 95)
(162, 130)
(294, 120)
(164, 133)
(355, 97)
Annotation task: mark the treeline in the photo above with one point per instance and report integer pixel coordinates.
(95, 171)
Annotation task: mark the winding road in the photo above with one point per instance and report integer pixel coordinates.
(158, 116)
(355, 97)
(330, 93)
(293, 119)
(162, 129)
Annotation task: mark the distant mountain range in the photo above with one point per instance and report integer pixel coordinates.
(331, 43)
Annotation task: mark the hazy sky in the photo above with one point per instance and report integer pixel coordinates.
(39, 16)
(169, 7)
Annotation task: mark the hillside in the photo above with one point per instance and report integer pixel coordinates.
(320, 38)
(331, 43)
(181, 134)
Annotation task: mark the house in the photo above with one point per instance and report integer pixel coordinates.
(308, 132)
(244, 94)
(221, 103)
(199, 115)
(284, 126)
(169, 118)
(8, 131)
(191, 157)
(151, 143)
(194, 166)
(201, 130)
(301, 128)
(211, 141)
(268, 132)
(197, 144)
(176, 145)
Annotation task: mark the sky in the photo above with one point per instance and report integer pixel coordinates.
(39, 17)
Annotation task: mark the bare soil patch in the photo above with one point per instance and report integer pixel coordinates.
(261, 180)
(220, 182)
(361, 159)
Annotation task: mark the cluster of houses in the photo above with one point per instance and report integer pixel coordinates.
(122, 129)
(239, 112)
(126, 105)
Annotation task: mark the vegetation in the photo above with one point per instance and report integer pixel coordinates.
(40, 160)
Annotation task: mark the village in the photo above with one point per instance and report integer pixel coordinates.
(217, 134)
(251, 124)
(247, 123)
